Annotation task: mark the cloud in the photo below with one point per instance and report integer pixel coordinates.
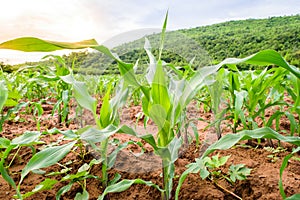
(75, 20)
(66, 20)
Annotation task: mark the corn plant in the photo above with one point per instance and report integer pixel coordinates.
(8, 99)
(283, 166)
(230, 140)
(37, 113)
(226, 142)
(45, 78)
(29, 85)
(293, 89)
(164, 101)
(3, 95)
(251, 93)
(106, 124)
(44, 158)
(216, 91)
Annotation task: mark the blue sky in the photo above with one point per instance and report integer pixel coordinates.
(73, 20)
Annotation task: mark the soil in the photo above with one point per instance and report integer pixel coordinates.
(261, 184)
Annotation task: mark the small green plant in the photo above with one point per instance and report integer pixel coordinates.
(209, 168)
(37, 113)
(238, 172)
(3, 98)
(228, 141)
(274, 152)
(80, 177)
(44, 158)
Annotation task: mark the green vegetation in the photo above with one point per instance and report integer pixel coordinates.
(244, 37)
(165, 92)
(210, 44)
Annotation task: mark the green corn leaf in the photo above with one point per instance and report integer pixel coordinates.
(283, 166)
(197, 81)
(294, 197)
(38, 109)
(63, 190)
(77, 176)
(163, 34)
(105, 112)
(46, 158)
(3, 94)
(174, 147)
(69, 134)
(159, 115)
(159, 90)
(4, 143)
(124, 185)
(31, 44)
(81, 93)
(116, 178)
(27, 138)
(4, 172)
(229, 140)
(118, 100)
(265, 57)
(47, 184)
(148, 137)
(198, 166)
(126, 69)
(169, 154)
(112, 157)
(152, 63)
(234, 82)
(93, 135)
(239, 102)
(82, 196)
(293, 123)
(161, 105)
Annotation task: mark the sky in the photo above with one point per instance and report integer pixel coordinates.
(75, 20)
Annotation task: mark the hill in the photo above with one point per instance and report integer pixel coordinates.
(210, 44)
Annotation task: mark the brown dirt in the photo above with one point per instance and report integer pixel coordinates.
(261, 184)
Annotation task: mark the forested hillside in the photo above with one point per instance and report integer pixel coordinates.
(244, 37)
(210, 44)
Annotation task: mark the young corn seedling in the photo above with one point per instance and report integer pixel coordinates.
(50, 76)
(7, 99)
(42, 159)
(164, 101)
(3, 98)
(106, 125)
(229, 140)
(216, 91)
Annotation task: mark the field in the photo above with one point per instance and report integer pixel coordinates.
(171, 133)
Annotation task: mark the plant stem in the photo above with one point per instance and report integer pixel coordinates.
(104, 146)
(168, 174)
(221, 187)
(14, 157)
(165, 195)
